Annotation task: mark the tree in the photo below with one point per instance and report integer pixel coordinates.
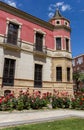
(81, 77)
(78, 77)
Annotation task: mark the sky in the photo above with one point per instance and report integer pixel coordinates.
(70, 9)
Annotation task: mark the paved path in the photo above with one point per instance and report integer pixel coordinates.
(26, 117)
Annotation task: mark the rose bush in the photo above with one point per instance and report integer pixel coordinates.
(38, 100)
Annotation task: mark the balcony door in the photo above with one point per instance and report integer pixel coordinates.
(12, 33)
(39, 42)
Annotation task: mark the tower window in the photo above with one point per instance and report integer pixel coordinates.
(67, 44)
(58, 43)
(57, 22)
(59, 73)
(68, 74)
(65, 23)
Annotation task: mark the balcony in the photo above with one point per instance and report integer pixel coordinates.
(12, 43)
(39, 50)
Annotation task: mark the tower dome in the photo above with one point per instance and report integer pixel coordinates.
(59, 20)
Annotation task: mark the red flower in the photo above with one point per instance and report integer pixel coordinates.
(82, 99)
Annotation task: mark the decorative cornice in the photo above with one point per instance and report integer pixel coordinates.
(17, 12)
(10, 47)
(59, 19)
(62, 27)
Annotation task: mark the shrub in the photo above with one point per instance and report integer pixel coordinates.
(78, 101)
(20, 104)
(66, 102)
(59, 102)
(38, 100)
(37, 103)
(60, 99)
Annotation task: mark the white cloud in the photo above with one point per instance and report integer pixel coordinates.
(50, 15)
(11, 2)
(50, 8)
(65, 7)
(82, 10)
(61, 5)
(58, 4)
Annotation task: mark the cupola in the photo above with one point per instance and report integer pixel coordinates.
(58, 19)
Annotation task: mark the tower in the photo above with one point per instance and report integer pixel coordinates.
(62, 57)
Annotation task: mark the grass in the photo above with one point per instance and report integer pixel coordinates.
(66, 124)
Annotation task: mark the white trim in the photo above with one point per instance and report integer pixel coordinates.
(2, 35)
(41, 32)
(58, 21)
(14, 21)
(66, 37)
(10, 57)
(58, 36)
(66, 23)
(38, 62)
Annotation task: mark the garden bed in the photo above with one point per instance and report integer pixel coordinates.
(38, 100)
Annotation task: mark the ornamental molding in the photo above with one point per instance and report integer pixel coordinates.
(40, 31)
(14, 21)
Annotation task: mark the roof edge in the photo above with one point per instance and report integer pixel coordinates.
(24, 15)
(78, 56)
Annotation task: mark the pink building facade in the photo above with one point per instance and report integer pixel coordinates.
(34, 53)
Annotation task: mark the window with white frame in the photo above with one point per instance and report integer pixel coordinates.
(58, 22)
(58, 43)
(66, 23)
(12, 34)
(80, 60)
(39, 42)
(13, 31)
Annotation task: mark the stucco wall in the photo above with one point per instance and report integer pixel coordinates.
(24, 66)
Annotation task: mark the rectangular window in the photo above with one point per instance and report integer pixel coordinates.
(67, 44)
(38, 76)
(59, 73)
(39, 42)
(68, 74)
(8, 73)
(12, 33)
(58, 43)
(73, 63)
(80, 60)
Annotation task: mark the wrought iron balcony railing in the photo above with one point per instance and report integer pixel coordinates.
(40, 49)
(12, 41)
